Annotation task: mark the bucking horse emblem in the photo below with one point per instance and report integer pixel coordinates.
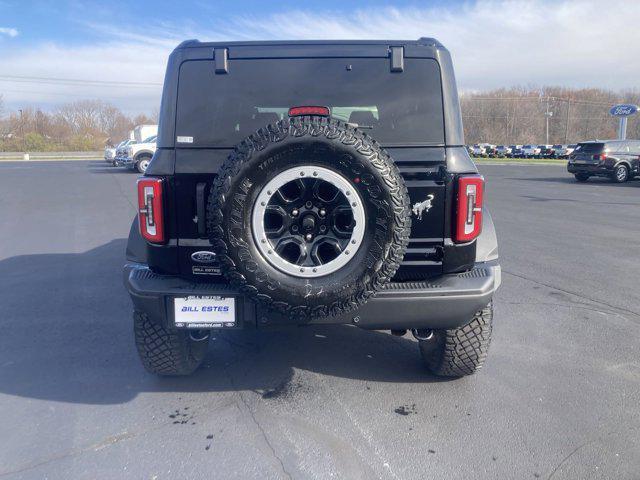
(420, 207)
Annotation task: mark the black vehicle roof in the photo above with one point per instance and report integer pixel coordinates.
(423, 41)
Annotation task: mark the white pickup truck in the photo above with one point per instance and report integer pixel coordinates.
(138, 155)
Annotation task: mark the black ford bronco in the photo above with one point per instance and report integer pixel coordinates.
(322, 182)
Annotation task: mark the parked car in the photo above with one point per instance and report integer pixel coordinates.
(616, 159)
(517, 151)
(546, 151)
(564, 150)
(121, 152)
(110, 154)
(278, 212)
(503, 150)
(530, 151)
(490, 150)
(479, 150)
(138, 155)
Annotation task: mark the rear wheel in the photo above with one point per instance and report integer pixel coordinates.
(620, 174)
(459, 351)
(582, 177)
(166, 352)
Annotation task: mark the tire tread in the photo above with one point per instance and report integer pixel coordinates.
(165, 352)
(460, 351)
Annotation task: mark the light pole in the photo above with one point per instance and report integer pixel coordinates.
(547, 115)
(24, 146)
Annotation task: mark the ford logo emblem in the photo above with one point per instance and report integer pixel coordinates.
(203, 257)
(623, 110)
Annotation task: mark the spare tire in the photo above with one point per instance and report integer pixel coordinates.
(309, 216)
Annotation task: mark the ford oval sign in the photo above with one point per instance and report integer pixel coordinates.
(623, 110)
(203, 257)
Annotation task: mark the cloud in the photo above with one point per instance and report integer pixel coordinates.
(10, 32)
(494, 43)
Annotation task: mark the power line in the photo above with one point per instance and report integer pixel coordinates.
(535, 117)
(59, 94)
(541, 99)
(75, 81)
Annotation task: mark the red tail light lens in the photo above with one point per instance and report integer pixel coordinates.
(150, 209)
(601, 157)
(469, 208)
(313, 110)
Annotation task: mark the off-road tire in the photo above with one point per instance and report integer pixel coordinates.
(164, 352)
(460, 351)
(620, 174)
(582, 177)
(330, 144)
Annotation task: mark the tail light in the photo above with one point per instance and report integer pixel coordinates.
(601, 157)
(312, 110)
(469, 208)
(150, 209)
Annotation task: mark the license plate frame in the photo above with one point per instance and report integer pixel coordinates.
(205, 312)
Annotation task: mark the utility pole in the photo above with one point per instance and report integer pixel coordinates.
(24, 145)
(566, 127)
(547, 115)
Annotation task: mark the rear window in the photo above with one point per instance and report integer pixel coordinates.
(589, 147)
(557, 146)
(402, 108)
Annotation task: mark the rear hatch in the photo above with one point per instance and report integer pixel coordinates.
(587, 152)
(402, 110)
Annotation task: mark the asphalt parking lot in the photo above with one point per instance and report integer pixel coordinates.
(559, 396)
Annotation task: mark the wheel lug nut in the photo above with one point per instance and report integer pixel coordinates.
(308, 237)
(323, 212)
(295, 212)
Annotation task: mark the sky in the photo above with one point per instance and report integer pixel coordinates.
(52, 52)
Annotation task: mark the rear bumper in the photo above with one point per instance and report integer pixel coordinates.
(448, 301)
(590, 168)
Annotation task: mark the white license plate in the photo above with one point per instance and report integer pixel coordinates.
(201, 311)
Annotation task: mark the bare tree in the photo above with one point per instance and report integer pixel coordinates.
(519, 115)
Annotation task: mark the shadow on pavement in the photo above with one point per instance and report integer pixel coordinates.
(67, 336)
